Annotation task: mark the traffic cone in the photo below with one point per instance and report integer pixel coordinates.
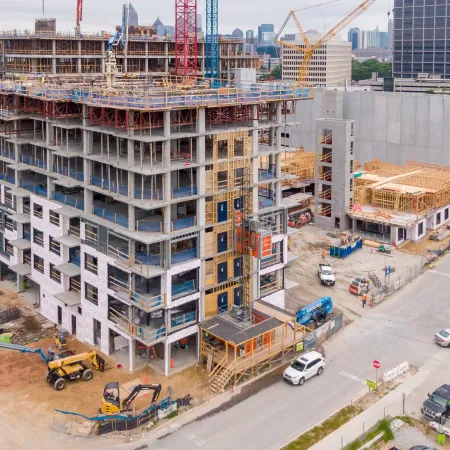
(172, 363)
(234, 390)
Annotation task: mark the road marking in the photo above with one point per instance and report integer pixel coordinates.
(439, 272)
(352, 377)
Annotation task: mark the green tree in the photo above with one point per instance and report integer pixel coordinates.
(363, 70)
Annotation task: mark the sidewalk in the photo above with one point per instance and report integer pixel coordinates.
(391, 404)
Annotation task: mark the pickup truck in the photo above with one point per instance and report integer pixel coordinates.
(326, 275)
(437, 407)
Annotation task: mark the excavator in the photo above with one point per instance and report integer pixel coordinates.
(111, 397)
(72, 368)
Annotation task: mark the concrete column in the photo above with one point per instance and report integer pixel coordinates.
(166, 65)
(54, 57)
(166, 148)
(167, 357)
(103, 57)
(85, 120)
(146, 65)
(79, 65)
(167, 219)
(132, 354)
(131, 218)
(87, 171)
(130, 152)
(201, 142)
(279, 128)
(88, 142)
(50, 188)
(88, 202)
(131, 184)
(20, 283)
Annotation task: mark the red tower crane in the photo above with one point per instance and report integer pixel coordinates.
(79, 15)
(185, 38)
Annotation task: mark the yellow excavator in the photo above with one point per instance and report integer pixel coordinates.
(111, 397)
(72, 368)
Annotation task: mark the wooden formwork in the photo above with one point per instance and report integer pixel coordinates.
(211, 238)
(211, 299)
(211, 207)
(231, 180)
(238, 144)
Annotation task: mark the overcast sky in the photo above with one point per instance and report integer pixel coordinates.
(245, 14)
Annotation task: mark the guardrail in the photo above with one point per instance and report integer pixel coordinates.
(71, 173)
(7, 178)
(111, 216)
(156, 227)
(148, 194)
(184, 255)
(77, 203)
(41, 163)
(186, 191)
(180, 321)
(35, 189)
(181, 224)
(188, 287)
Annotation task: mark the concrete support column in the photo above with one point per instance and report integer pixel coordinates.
(130, 152)
(87, 171)
(102, 61)
(254, 168)
(49, 160)
(167, 219)
(79, 65)
(88, 142)
(131, 218)
(146, 65)
(50, 188)
(20, 283)
(131, 184)
(132, 354)
(19, 206)
(278, 192)
(167, 357)
(166, 65)
(88, 202)
(166, 149)
(279, 128)
(50, 131)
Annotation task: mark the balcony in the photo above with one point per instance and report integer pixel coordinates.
(148, 194)
(149, 335)
(146, 302)
(41, 163)
(183, 289)
(9, 178)
(149, 187)
(186, 191)
(9, 154)
(326, 157)
(275, 258)
(179, 321)
(115, 212)
(73, 200)
(270, 284)
(35, 187)
(266, 174)
(76, 174)
(184, 255)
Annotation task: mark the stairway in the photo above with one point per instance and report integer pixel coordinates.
(220, 379)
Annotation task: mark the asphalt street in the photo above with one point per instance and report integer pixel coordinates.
(400, 329)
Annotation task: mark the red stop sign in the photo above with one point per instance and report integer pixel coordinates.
(376, 364)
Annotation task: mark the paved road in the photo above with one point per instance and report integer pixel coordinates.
(399, 329)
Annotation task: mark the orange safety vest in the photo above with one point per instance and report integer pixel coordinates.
(363, 298)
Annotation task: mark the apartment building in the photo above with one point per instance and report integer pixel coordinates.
(120, 208)
(70, 54)
(331, 63)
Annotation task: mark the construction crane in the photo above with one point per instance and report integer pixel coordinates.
(111, 397)
(73, 368)
(212, 39)
(186, 52)
(79, 15)
(308, 49)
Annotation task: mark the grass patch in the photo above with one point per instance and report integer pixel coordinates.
(172, 414)
(316, 434)
(407, 420)
(384, 426)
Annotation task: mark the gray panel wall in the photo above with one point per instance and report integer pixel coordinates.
(390, 126)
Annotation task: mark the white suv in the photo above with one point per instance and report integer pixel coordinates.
(305, 367)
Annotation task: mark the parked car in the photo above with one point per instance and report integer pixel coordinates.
(304, 367)
(326, 275)
(443, 337)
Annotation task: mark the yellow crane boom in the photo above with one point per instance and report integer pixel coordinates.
(309, 49)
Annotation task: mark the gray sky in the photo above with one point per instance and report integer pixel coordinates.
(245, 14)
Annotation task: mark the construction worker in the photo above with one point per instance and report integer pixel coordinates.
(364, 300)
(372, 297)
(324, 253)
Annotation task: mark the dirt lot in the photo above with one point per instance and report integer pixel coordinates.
(307, 245)
(27, 398)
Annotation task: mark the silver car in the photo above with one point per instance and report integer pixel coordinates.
(443, 338)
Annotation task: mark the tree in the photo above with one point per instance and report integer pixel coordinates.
(363, 70)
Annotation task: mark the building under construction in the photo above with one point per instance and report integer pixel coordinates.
(397, 203)
(55, 54)
(140, 211)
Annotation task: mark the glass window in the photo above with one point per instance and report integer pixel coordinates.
(417, 68)
(428, 34)
(429, 11)
(418, 57)
(91, 293)
(440, 11)
(38, 237)
(408, 12)
(439, 69)
(54, 247)
(418, 23)
(418, 34)
(398, 3)
(439, 45)
(418, 11)
(439, 57)
(429, 22)
(37, 210)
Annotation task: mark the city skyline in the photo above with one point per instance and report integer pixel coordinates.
(105, 15)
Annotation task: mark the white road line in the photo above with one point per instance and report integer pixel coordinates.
(440, 273)
(352, 377)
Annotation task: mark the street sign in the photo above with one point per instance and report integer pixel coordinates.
(376, 364)
(388, 270)
(371, 384)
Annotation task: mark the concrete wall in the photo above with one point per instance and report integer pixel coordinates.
(393, 127)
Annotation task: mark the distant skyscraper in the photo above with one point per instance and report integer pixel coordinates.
(354, 37)
(249, 35)
(159, 27)
(169, 30)
(265, 31)
(373, 38)
(238, 33)
(132, 17)
(199, 23)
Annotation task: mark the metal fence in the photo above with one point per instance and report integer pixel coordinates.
(321, 334)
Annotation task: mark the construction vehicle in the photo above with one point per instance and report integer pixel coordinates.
(24, 349)
(326, 275)
(60, 341)
(437, 407)
(72, 368)
(307, 50)
(360, 285)
(316, 313)
(385, 249)
(111, 397)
